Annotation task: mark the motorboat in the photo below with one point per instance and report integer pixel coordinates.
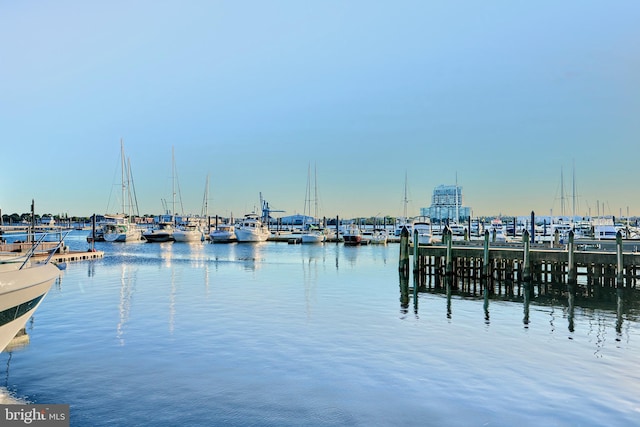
(223, 233)
(352, 235)
(12, 261)
(496, 231)
(21, 292)
(189, 232)
(252, 229)
(422, 228)
(312, 236)
(161, 231)
(377, 236)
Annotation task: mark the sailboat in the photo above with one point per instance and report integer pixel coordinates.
(163, 230)
(404, 220)
(190, 229)
(311, 233)
(119, 227)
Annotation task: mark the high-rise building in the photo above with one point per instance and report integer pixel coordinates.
(446, 203)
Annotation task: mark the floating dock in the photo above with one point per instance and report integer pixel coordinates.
(61, 255)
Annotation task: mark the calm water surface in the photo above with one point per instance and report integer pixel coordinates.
(274, 334)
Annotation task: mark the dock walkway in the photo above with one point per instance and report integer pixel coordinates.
(508, 263)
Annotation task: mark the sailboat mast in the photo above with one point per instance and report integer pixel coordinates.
(173, 182)
(457, 204)
(405, 196)
(315, 191)
(561, 192)
(122, 171)
(573, 190)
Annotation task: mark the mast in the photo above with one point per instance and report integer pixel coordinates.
(205, 202)
(173, 182)
(122, 171)
(573, 190)
(315, 191)
(457, 205)
(406, 201)
(561, 192)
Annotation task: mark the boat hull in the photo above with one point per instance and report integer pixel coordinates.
(250, 235)
(222, 237)
(187, 236)
(350, 240)
(158, 237)
(312, 238)
(21, 292)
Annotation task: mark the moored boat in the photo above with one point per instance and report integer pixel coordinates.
(160, 232)
(121, 230)
(352, 235)
(422, 228)
(223, 233)
(189, 232)
(21, 292)
(252, 229)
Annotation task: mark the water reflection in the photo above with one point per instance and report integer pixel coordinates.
(527, 301)
(250, 254)
(609, 311)
(124, 307)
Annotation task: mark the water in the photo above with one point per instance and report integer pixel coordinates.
(287, 335)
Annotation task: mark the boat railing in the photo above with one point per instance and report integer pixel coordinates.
(34, 247)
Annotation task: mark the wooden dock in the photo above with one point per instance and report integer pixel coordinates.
(494, 266)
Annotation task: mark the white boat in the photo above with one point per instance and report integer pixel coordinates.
(12, 261)
(352, 235)
(252, 229)
(311, 233)
(377, 236)
(422, 226)
(496, 231)
(162, 231)
(457, 229)
(223, 233)
(402, 223)
(21, 292)
(119, 228)
(604, 229)
(312, 236)
(189, 232)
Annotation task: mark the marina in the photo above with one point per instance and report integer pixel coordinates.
(273, 334)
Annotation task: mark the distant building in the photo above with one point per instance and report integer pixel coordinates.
(296, 219)
(446, 203)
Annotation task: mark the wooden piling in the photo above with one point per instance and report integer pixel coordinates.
(526, 271)
(571, 265)
(449, 258)
(416, 255)
(404, 252)
(620, 265)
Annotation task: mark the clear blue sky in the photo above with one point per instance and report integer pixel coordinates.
(502, 94)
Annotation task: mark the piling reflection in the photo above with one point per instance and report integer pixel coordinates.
(612, 304)
(571, 301)
(404, 292)
(619, 310)
(527, 302)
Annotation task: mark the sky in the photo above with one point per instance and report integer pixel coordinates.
(517, 102)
